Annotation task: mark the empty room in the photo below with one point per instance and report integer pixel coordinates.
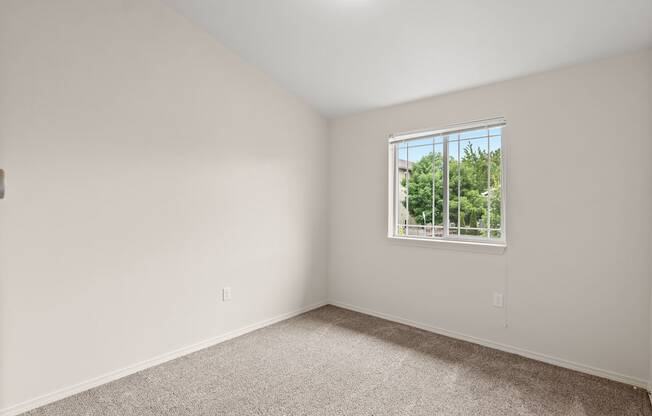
(325, 207)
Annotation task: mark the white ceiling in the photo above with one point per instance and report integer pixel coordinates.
(345, 56)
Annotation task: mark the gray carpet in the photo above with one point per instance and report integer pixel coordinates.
(332, 361)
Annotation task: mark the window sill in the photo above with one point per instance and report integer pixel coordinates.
(469, 246)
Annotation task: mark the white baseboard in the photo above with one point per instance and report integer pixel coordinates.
(134, 368)
(637, 382)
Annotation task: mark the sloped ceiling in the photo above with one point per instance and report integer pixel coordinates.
(346, 56)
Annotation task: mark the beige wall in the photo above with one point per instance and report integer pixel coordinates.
(576, 273)
(147, 167)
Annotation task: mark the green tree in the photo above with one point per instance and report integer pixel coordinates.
(470, 175)
(421, 189)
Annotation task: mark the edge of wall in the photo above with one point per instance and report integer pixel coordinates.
(56, 395)
(559, 362)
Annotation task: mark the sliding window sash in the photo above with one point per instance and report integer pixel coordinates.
(489, 123)
(445, 133)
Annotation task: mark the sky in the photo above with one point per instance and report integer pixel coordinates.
(416, 149)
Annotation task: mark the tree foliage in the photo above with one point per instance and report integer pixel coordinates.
(471, 175)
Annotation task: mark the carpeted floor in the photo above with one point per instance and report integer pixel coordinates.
(332, 361)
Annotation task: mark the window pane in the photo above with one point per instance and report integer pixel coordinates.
(454, 171)
(421, 142)
(474, 134)
(401, 177)
(495, 190)
(471, 232)
(438, 189)
(419, 187)
(474, 184)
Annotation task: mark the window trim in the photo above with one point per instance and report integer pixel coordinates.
(447, 241)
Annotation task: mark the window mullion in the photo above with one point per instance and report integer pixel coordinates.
(459, 184)
(488, 185)
(445, 186)
(432, 211)
(407, 188)
(397, 189)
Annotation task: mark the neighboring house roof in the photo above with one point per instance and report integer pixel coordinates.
(405, 165)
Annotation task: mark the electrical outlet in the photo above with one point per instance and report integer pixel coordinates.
(226, 294)
(498, 300)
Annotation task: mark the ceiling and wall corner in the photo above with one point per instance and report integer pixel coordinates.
(347, 56)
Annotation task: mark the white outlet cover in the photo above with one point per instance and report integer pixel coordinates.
(226, 293)
(498, 300)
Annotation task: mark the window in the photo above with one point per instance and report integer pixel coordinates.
(447, 184)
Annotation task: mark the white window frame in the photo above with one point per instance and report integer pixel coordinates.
(482, 244)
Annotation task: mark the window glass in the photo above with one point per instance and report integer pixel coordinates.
(473, 197)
